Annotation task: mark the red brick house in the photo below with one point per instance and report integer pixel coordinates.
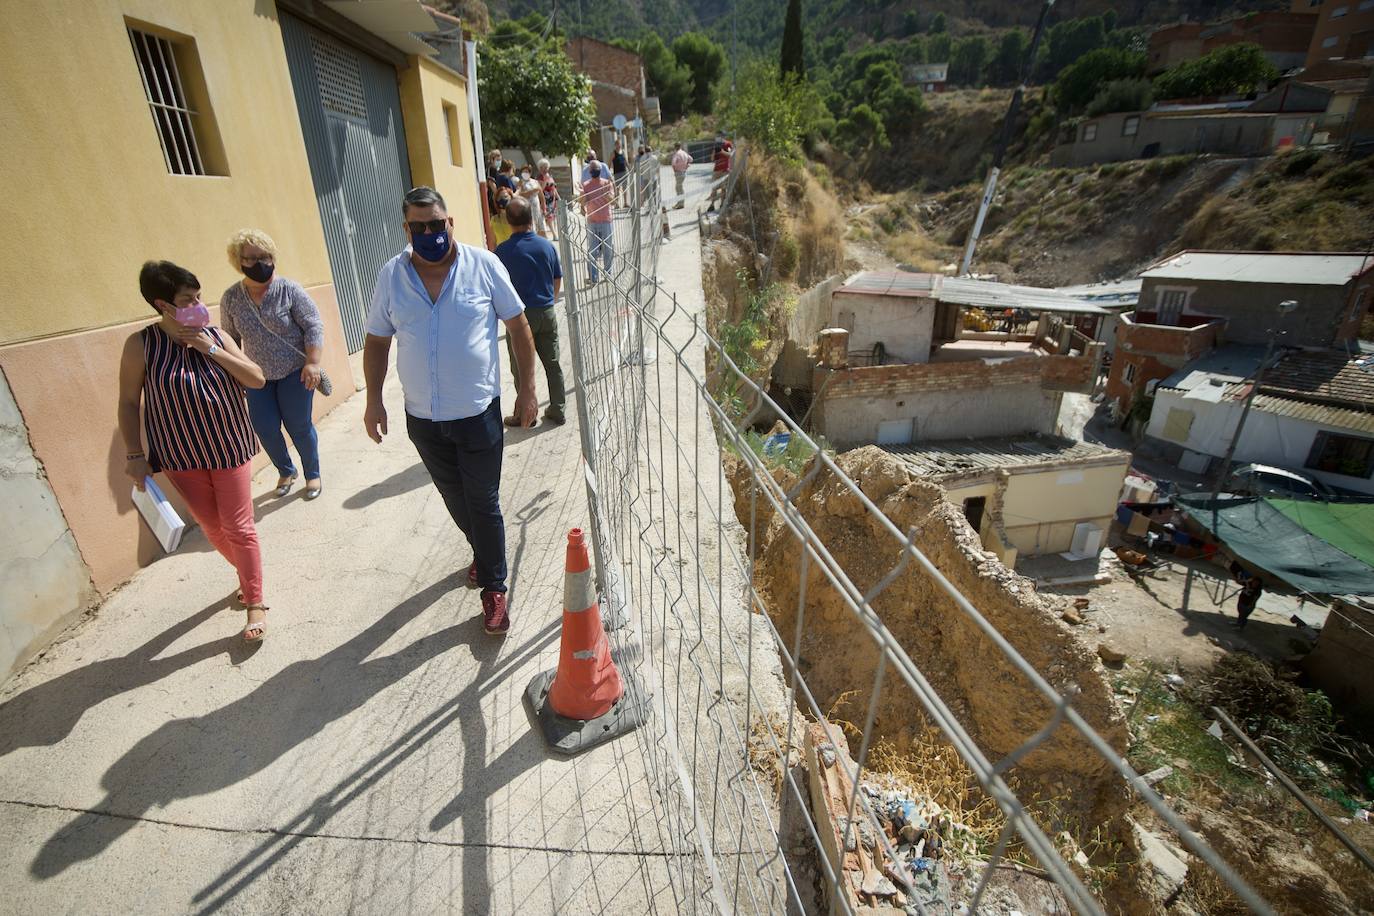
(617, 77)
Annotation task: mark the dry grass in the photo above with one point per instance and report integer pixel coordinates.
(917, 248)
(1304, 201)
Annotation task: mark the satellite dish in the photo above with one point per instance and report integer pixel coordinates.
(619, 122)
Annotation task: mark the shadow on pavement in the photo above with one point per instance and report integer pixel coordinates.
(47, 713)
(465, 709)
(195, 756)
(412, 478)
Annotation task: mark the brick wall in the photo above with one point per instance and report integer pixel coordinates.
(608, 64)
(1054, 373)
(1155, 352)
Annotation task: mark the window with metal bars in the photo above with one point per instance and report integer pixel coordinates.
(185, 133)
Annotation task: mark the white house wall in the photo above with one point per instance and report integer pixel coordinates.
(904, 326)
(1280, 441)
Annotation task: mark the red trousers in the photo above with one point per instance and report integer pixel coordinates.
(222, 504)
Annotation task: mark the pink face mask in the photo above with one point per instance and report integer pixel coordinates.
(193, 316)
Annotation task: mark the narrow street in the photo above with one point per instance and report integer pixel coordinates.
(374, 754)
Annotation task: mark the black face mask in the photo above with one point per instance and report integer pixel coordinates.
(259, 272)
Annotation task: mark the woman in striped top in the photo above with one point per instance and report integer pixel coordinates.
(188, 378)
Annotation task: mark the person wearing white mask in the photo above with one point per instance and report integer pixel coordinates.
(533, 192)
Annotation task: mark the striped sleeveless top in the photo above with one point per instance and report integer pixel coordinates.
(195, 417)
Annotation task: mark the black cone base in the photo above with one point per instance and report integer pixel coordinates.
(573, 736)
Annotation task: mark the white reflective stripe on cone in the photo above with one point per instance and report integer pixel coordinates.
(578, 591)
(585, 655)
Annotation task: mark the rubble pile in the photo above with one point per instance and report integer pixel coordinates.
(923, 839)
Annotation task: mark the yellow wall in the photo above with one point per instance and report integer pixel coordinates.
(1040, 509)
(425, 88)
(87, 194)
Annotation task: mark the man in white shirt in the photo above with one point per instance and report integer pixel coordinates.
(682, 160)
(441, 300)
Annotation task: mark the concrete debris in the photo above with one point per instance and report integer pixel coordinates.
(1158, 775)
(1165, 862)
(1110, 655)
(1071, 851)
(1174, 680)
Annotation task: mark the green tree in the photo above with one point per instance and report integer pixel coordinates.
(1232, 69)
(937, 24)
(778, 112)
(912, 51)
(1080, 82)
(666, 76)
(861, 130)
(706, 60)
(1109, 21)
(1122, 95)
(966, 61)
(911, 23)
(1068, 41)
(532, 99)
(792, 57)
(1005, 68)
(937, 48)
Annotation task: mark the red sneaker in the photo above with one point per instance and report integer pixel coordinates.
(472, 576)
(494, 613)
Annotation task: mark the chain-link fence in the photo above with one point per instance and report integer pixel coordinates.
(679, 558)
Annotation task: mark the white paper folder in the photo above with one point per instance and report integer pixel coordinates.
(162, 519)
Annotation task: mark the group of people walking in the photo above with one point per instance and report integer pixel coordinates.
(538, 189)
(196, 399)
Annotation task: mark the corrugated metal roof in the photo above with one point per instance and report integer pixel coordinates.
(1322, 414)
(959, 291)
(964, 456)
(890, 283)
(1118, 294)
(1294, 268)
(986, 294)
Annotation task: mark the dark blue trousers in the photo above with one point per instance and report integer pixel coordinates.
(464, 459)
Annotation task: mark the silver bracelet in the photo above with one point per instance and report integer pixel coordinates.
(211, 352)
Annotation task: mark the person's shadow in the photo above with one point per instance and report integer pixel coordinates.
(47, 713)
(196, 756)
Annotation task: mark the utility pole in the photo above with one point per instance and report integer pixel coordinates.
(1285, 307)
(990, 188)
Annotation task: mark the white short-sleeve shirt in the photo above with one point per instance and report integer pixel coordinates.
(447, 355)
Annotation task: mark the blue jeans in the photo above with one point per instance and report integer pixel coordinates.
(601, 245)
(286, 401)
(464, 459)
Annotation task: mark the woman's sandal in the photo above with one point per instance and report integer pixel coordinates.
(284, 488)
(315, 493)
(258, 627)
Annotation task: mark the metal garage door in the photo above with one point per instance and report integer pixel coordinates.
(350, 111)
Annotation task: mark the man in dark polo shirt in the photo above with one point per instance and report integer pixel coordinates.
(532, 263)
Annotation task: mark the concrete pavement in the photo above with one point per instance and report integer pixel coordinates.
(372, 755)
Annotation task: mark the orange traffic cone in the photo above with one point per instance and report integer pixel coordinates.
(587, 684)
(584, 702)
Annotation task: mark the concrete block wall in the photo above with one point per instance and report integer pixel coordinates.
(1339, 663)
(44, 583)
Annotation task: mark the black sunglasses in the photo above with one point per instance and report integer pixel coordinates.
(430, 225)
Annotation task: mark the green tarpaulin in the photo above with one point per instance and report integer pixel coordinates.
(1258, 532)
(1348, 527)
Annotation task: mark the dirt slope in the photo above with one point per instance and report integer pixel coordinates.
(1053, 227)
